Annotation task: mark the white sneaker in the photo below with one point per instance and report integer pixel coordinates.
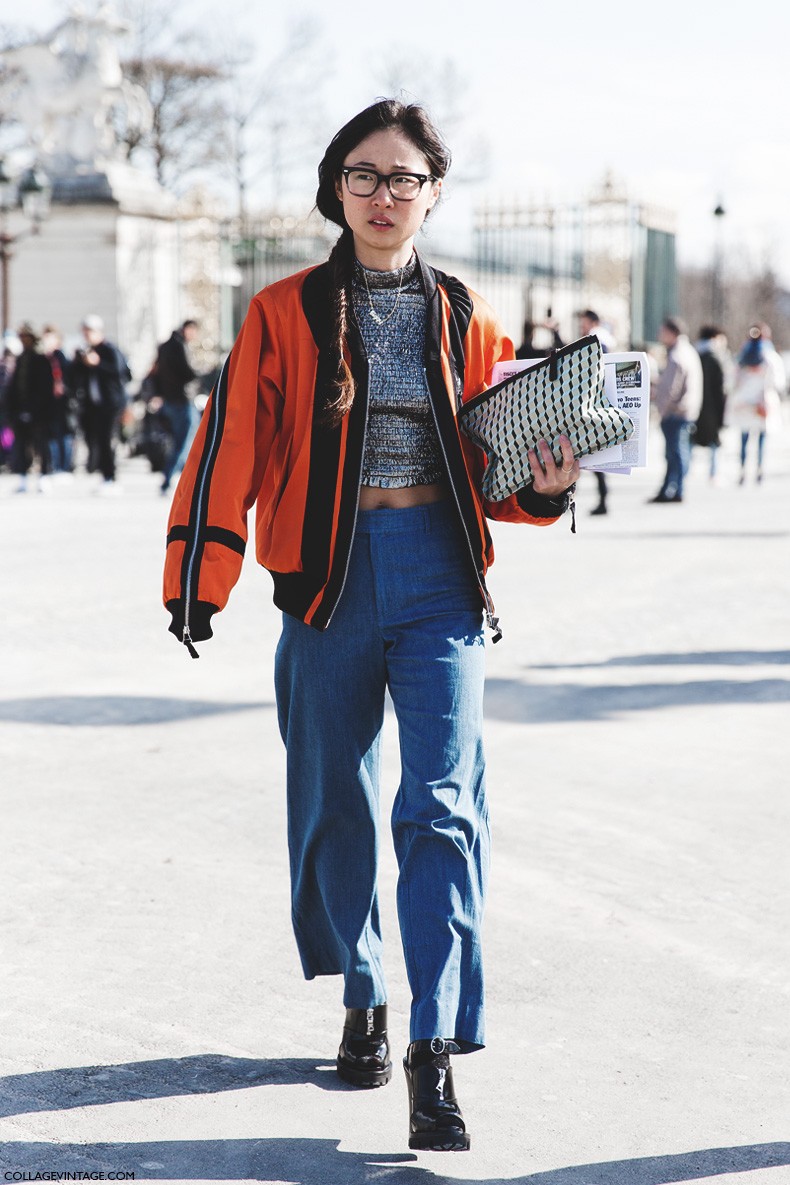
(108, 489)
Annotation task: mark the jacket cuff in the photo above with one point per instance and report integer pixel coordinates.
(541, 505)
(200, 614)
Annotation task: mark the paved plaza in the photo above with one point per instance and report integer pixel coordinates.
(153, 1015)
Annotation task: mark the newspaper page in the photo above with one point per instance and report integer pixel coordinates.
(627, 386)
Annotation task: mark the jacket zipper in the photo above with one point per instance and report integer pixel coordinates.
(186, 636)
(356, 511)
(491, 621)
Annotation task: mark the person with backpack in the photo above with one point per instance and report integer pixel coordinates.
(335, 414)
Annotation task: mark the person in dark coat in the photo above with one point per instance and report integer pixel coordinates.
(712, 350)
(590, 324)
(7, 365)
(29, 408)
(174, 372)
(64, 420)
(100, 373)
(527, 350)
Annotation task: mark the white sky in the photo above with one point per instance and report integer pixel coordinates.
(687, 102)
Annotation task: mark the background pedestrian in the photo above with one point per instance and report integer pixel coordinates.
(678, 399)
(100, 375)
(173, 375)
(29, 409)
(716, 367)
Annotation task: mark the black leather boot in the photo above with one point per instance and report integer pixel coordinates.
(435, 1119)
(364, 1055)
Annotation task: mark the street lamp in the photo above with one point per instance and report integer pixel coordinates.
(717, 285)
(32, 192)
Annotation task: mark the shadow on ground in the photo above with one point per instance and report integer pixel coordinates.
(519, 702)
(298, 1161)
(113, 710)
(319, 1162)
(204, 1073)
(691, 658)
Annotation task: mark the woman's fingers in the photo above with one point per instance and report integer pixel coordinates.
(548, 477)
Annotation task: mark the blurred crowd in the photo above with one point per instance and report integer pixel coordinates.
(703, 388)
(698, 390)
(62, 411)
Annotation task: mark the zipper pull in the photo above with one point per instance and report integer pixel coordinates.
(573, 513)
(186, 638)
(493, 624)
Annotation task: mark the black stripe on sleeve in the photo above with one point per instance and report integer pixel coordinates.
(211, 535)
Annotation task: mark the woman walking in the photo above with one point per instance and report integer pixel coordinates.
(755, 400)
(336, 412)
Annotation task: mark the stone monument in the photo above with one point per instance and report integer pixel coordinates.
(113, 241)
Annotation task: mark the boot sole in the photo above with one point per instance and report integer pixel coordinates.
(364, 1078)
(436, 1142)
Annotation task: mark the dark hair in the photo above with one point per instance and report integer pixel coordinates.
(590, 316)
(753, 353)
(675, 325)
(415, 123)
(708, 332)
(189, 323)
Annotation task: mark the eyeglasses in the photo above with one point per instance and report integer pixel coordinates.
(404, 187)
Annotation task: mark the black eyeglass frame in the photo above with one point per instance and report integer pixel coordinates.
(387, 179)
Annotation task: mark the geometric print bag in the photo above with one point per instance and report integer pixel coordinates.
(563, 393)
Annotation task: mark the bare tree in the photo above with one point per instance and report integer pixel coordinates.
(10, 76)
(443, 90)
(181, 79)
(274, 116)
(186, 115)
(752, 293)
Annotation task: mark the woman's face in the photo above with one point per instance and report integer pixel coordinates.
(384, 228)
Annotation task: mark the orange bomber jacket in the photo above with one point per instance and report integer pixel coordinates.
(262, 441)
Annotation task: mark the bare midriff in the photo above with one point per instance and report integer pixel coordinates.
(375, 498)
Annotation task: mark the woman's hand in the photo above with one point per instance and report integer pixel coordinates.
(549, 478)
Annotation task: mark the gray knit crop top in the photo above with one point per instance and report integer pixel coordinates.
(401, 446)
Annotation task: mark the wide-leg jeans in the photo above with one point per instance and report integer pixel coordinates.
(409, 620)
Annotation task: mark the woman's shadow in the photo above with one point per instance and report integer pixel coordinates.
(300, 1161)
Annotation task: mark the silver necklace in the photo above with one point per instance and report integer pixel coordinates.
(382, 320)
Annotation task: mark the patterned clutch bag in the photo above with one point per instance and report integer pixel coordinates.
(563, 393)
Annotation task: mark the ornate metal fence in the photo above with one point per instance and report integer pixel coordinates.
(616, 256)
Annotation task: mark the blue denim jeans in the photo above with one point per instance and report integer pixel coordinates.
(760, 448)
(183, 424)
(409, 620)
(677, 435)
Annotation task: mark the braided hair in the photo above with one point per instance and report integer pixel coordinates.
(415, 123)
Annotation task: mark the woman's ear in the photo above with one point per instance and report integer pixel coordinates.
(436, 189)
(339, 189)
